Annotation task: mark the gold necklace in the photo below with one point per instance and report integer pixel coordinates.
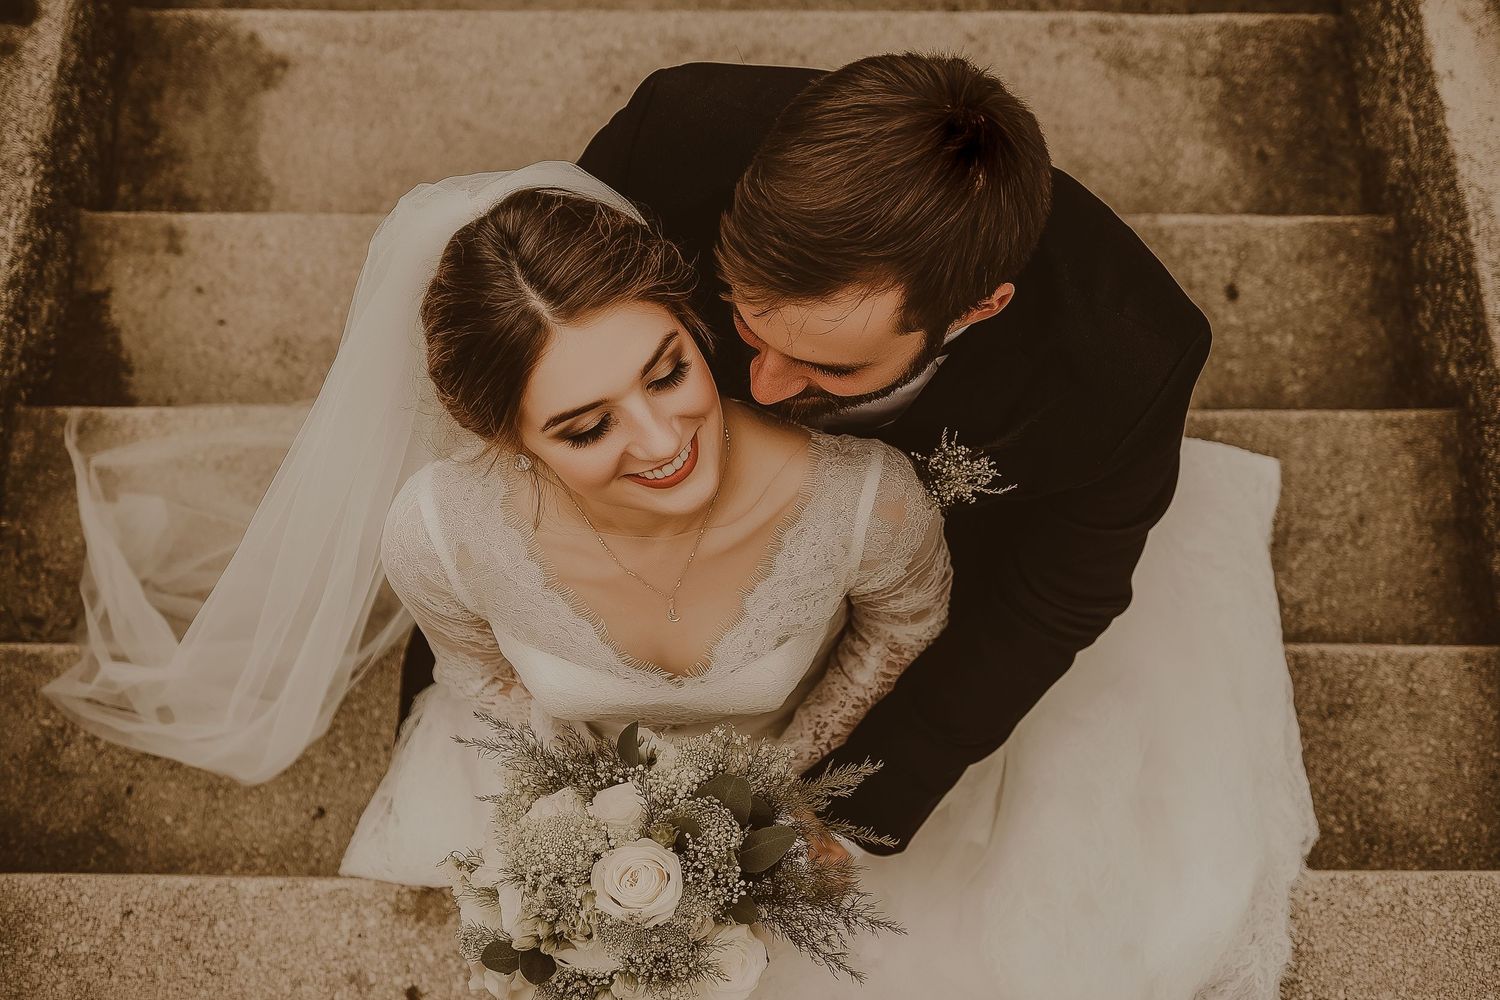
(670, 598)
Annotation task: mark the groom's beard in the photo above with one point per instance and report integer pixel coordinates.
(812, 404)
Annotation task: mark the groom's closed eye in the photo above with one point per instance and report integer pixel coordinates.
(831, 370)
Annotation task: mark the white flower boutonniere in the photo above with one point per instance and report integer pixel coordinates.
(955, 473)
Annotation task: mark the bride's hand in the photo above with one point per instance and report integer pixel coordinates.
(827, 850)
(823, 847)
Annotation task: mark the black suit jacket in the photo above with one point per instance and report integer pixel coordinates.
(1078, 390)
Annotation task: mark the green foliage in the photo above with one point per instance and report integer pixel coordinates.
(629, 745)
(744, 911)
(731, 790)
(500, 957)
(763, 848)
(536, 966)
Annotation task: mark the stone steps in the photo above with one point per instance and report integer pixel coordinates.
(345, 111)
(74, 802)
(1119, 6)
(1357, 936)
(183, 308)
(1367, 544)
(1394, 736)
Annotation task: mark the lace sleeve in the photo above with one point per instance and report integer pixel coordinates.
(466, 656)
(899, 604)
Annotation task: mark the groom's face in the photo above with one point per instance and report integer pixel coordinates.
(817, 358)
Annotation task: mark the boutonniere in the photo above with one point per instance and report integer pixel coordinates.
(955, 473)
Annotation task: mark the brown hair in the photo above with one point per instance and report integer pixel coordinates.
(540, 258)
(905, 171)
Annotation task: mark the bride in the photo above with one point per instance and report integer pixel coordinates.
(521, 435)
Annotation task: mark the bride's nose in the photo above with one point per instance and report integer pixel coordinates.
(656, 438)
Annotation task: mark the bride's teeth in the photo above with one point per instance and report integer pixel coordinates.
(671, 468)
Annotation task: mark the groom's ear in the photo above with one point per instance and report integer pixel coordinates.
(989, 306)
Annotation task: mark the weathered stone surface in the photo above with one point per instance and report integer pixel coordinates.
(249, 308)
(1307, 312)
(1427, 74)
(1359, 936)
(74, 802)
(1367, 546)
(149, 937)
(344, 112)
(41, 552)
(1412, 935)
(1122, 6)
(56, 111)
(1368, 542)
(1402, 746)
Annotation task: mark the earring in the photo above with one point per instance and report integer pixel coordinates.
(523, 462)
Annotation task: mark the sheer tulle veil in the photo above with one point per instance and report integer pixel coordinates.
(236, 668)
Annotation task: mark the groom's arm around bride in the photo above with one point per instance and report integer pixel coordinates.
(1077, 387)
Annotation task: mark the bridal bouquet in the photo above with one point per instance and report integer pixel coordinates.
(643, 868)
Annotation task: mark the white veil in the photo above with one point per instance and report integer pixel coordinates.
(270, 644)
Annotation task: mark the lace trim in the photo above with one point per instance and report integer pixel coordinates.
(621, 661)
(791, 590)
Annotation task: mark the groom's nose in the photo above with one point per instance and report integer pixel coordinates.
(774, 378)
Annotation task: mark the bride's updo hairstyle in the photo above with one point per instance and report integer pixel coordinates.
(541, 258)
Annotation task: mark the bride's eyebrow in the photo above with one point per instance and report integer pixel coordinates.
(578, 411)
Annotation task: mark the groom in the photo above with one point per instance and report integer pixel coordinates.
(900, 260)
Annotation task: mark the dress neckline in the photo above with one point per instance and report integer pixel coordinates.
(707, 662)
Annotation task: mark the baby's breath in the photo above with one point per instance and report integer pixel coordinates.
(548, 859)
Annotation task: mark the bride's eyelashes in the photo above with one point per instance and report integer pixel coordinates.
(587, 437)
(671, 380)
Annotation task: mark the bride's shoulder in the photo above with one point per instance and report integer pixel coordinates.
(859, 457)
(447, 488)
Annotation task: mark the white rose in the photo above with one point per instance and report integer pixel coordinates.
(523, 927)
(590, 956)
(501, 986)
(703, 928)
(640, 882)
(741, 958)
(563, 802)
(620, 808)
(666, 750)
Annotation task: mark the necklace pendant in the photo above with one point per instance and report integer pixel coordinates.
(672, 611)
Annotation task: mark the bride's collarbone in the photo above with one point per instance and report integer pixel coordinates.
(732, 556)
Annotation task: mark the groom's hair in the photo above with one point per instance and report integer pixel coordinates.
(917, 172)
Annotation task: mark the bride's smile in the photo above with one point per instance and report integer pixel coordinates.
(670, 473)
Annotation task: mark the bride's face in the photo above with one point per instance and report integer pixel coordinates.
(624, 411)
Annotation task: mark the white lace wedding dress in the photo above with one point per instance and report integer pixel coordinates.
(1136, 837)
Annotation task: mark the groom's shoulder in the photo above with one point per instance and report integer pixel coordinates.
(706, 88)
(1103, 267)
(1099, 350)
(690, 124)
(1116, 306)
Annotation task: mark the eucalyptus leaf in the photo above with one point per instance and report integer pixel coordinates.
(761, 813)
(745, 911)
(499, 956)
(537, 967)
(763, 848)
(629, 745)
(732, 791)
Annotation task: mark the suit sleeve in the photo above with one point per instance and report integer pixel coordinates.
(1031, 589)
